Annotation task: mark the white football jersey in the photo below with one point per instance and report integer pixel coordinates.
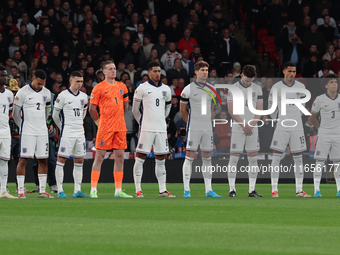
(329, 113)
(192, 95)
(292, 111)
(257, 97)
(6, 102)
(71, 108)
(154, 99)
(33, 109)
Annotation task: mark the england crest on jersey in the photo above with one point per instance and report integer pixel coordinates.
(253, 94)
(121, 91)
(82, 102)
(44, 99)
(164, 93)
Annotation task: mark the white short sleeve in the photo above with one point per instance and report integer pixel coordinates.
(316, 106)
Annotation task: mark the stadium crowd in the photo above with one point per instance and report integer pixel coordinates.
(63, 36)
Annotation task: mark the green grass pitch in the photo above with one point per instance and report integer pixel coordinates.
(153, 225)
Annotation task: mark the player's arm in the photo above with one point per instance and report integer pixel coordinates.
(56, 117)
(94, 113)
(315, 110)
(126, 106)
(183, 109)
(246, 129)
(18, 103)
(48, 107)
(185, 95)
(314, 120)
(84, 111)
(259, 106)
(135, 109)
(168, 103)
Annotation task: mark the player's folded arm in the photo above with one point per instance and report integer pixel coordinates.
(135, 108)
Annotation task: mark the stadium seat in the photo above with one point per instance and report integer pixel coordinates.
(270, 49)
(262, 32)
(265, 41)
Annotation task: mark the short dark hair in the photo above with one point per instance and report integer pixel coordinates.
(249, 71)
(75, 74)
(200, 65)
(314, 54)
(152, 64)
(40, 74)
(327, 78)
(287, 64)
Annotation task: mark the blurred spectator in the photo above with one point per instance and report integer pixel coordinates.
(161, 46)
(188, 43)
(321, 20)
(48, 39)
(327, 30)
(75, 44)
(174, 32)
(177, 71)
(334, 64)
(169, 57)
(213, 79)
(314, 37)
(14, 45)
(321, 5)
(88, 19)
(296, 7)
(293, 51)
(131, 71)
(144, 78)
(286, 33)
(25, 37)
(271, 13)
(180, 87)
(43, 65)
(209, 38)
(9, 64)
(140, 32)
(145, 18)
(65, 70)
(134, 22)
(3, 49)
(330, 54)
(325, 69)
(99, 77)
(66, 10)
(25, 20)
(267, 86)
(311, 68)
(122, 48)
(26, 55)
(55, 58)
(135, 56)
(304, 27)
(88, 35)
(153, 29)
(219, 21)
(147, 46)
(174, 107)
(114, 40)
(237, 70)
(227, 51)
(187, 63)
(9, 28)
(20, 64)
(305, 59)
(195, 54)
(40, 50)
(14, 73)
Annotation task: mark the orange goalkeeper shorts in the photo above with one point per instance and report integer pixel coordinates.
(111, 140)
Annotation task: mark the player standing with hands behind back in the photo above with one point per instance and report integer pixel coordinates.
(33, 102)
(71, 105)
(112, 99)
(156, 100)
(6, 102)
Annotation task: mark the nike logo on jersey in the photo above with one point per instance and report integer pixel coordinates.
(107, 92)
(326, 105)
(30, 98)
(149, 92)
(69, 102)
(195, 94)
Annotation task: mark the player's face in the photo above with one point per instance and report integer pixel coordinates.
(110, 71)
(246, 81)
(38, 83)
(289, 73)
(77, 82)
(202, 73)
(332, 86)
(155, 74)
(3, 77)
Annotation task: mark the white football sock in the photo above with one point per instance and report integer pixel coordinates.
(232, 171)
(337, 174)
(77, 176)
(3, 175)
(138, 173)
(42, 182)
(318, 174)
(299, 172)
(252, 174)
(275, 171)
(207, 175)
(186, 170)
(59, 175)
(161, 174)
(21, 183)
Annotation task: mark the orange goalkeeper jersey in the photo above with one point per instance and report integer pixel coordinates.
(110, 99)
